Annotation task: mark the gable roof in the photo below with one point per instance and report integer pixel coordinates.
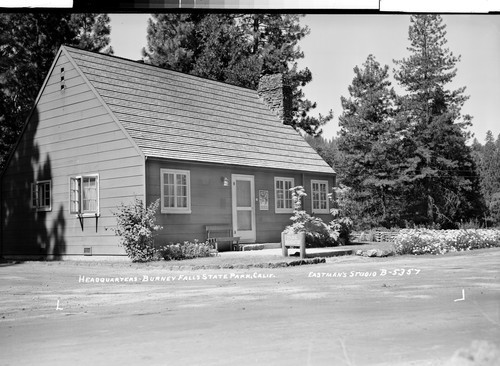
(173, 115)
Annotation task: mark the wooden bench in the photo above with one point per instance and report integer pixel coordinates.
(217, 234)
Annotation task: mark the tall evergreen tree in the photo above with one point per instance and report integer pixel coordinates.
(236, 49)
(370, 141)
(489, 168)
(92, 31)
(29, 44)
(439, 169)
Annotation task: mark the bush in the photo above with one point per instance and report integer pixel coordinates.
(318, 234)
(186, 250)
(136, 227)
(425, 241)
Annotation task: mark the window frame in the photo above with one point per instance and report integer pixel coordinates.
(79, 211)
(320, 210)
(35, 193)
(175, 210)
(277, 209)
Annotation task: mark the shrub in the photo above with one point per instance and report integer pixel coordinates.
(425, 241)
(136, 227)
(186, 250)
(317, 232)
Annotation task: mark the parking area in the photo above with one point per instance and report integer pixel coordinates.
(348, 311)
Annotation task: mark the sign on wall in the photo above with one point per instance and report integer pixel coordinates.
(263, 200)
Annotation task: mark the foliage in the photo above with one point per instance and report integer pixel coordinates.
(186, 250)
(236, 49)
(318, 234)
(329, 151)
(136, 227)
(93, 32)
(406, 157)
(425, 241)
(437, 169)
(29, 45)
(369, 140)
(487, 159)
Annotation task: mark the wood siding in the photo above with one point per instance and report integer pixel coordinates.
(70, 133)
(211, 201)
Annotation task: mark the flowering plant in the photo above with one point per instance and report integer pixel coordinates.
(317, 232)
(426, 241)
(186, 250)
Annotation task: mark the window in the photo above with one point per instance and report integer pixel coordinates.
(41, 195)
(175, 191)
(84, 195)
(282, 194)
(319, 189)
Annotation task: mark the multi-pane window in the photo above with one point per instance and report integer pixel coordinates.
(41, 195)
(175, 191)
(283, 195)
(84, 194)
(319, 190)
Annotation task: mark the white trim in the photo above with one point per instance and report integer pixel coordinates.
(175, 210)
(34, 187)
(80, 212)
(282, 210)
(319, 210)
(246, 236)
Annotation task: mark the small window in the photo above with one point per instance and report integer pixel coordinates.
(84, 195)
(319, 190)
(175, 191)
(41, 195)
(283, 195)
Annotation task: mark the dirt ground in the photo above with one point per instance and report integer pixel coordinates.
(348, 311)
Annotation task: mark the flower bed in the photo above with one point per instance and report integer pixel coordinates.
(186, 250)
(426, 241)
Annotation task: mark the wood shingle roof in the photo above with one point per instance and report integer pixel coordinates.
(173, 115)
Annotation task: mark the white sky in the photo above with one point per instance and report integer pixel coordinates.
(337, 43)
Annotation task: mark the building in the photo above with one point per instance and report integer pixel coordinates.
(106, 130)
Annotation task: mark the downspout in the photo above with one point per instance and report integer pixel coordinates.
(145, 180)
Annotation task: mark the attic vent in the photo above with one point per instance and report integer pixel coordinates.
(63, 83)
(87, 251)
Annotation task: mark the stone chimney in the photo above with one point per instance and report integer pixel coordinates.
(276, 92)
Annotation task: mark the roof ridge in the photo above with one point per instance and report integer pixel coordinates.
(138, 62)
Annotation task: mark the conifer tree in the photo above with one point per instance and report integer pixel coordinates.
(439, 171)
(29, 45)
(369, 140)
(236, 49)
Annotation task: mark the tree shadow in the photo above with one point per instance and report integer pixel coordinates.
(27, 231)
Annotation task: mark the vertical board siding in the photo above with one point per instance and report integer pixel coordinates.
(211, 201)
(70, 133)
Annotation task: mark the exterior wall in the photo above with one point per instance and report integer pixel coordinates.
(211, 201)
(70, 133)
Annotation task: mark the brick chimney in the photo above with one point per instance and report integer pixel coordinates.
(276, 92)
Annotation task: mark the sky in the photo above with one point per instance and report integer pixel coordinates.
(339, 42)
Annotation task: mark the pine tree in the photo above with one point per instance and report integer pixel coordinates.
(29, 45)
(439, 169)
(370, 141)
(235, 49)
(490, 175)
(93, 32)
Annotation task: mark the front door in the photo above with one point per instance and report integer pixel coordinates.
(243, 197)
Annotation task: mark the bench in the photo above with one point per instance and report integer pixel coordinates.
(217, 234)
